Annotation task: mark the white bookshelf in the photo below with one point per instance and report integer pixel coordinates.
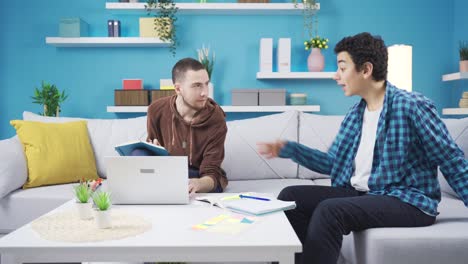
(295, 75)
(455, 76)
(455, 111)
(219, 8)
(106, 42)
(226, 108)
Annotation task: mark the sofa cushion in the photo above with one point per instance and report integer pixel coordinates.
(458, 129)
(243, 162)
(268, 186)
(23, 206)
(103, 133)
(444, 242)
(56, 153)
(13, 170)
(318, 132)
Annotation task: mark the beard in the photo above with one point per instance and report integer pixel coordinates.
(191, 106)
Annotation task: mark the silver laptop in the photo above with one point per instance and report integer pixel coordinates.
(148, 179)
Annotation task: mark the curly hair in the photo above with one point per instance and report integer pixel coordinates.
(183, 66)
(363, 48)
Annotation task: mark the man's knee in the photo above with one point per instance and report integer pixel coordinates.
(287, 194)
(329, 209)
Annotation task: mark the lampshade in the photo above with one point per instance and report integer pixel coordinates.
(400, 65)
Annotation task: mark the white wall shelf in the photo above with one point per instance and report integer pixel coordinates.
(455, 76)
(455, 111)
(219, 8)
(106, 42)
(295, 75)
(226, 108)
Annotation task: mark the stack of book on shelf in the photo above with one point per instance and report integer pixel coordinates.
(464, 100)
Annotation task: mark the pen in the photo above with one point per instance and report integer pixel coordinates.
(253, 197)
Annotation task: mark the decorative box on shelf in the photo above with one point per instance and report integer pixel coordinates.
(131, 97)
(271, 97)
(157, 94)
(244, 97)
(73, 28)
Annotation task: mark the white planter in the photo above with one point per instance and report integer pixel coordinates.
(464, 66)
(85, 210)
(211, 90)
(103, 218)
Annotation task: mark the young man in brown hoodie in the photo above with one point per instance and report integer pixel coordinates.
(191, 124)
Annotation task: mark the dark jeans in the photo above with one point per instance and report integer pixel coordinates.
(324, 214)
(193, 171)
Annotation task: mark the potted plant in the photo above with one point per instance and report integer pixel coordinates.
(308, 14)
(208, 62)
(164, 21)
(316, 60)
(102, 201)
(50, 97)
(463, 50)
(84, 205)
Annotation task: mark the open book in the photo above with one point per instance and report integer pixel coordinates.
(126, 149)
(258, 206)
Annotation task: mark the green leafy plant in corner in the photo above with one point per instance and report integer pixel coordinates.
(102, 200)
(50, 97)
(83, 192)
(463, 50)
(164, 21)
(205, 59)
(308, 14)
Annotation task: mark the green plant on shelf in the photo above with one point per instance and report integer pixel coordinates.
(165, 21)
(308, 14)
(463, 50)
(205, 59)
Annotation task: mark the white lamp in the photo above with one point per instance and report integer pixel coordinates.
(400, 65)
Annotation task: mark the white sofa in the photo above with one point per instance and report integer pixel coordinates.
(444, 242)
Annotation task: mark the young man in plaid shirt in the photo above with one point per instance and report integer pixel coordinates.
(383, 162)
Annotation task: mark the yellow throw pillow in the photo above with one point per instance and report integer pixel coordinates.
(56, 152)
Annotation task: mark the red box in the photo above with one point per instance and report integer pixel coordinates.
(132, 84)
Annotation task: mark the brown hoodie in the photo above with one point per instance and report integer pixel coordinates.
(202, 140)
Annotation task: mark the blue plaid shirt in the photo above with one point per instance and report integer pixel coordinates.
(411, 142)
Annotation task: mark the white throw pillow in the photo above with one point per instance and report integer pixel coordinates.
(103, 133)
(242, 161)
(13, 170)
(458, 129)
(318, 132)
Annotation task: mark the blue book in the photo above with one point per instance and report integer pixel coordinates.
(127, 148)
(110, 28)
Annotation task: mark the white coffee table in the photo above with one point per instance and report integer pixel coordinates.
(171, 239)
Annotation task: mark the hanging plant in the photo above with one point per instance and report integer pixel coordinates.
(164, 22)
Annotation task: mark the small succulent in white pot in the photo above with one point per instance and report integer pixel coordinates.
(103, 202)
(84, 205)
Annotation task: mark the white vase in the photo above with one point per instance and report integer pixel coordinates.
(85, 210)
(464, 66)
(103, 218)
(211, 90)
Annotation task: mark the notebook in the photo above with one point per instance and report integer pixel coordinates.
(258, 207)
(126, 149)
(148, 179)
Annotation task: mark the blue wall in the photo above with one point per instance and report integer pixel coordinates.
(89, 75)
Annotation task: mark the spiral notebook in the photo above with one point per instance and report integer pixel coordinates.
(259, 207)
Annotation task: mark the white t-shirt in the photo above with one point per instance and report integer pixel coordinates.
(365, 153)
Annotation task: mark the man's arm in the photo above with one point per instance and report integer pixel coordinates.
(441, 149)
(211, 164)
